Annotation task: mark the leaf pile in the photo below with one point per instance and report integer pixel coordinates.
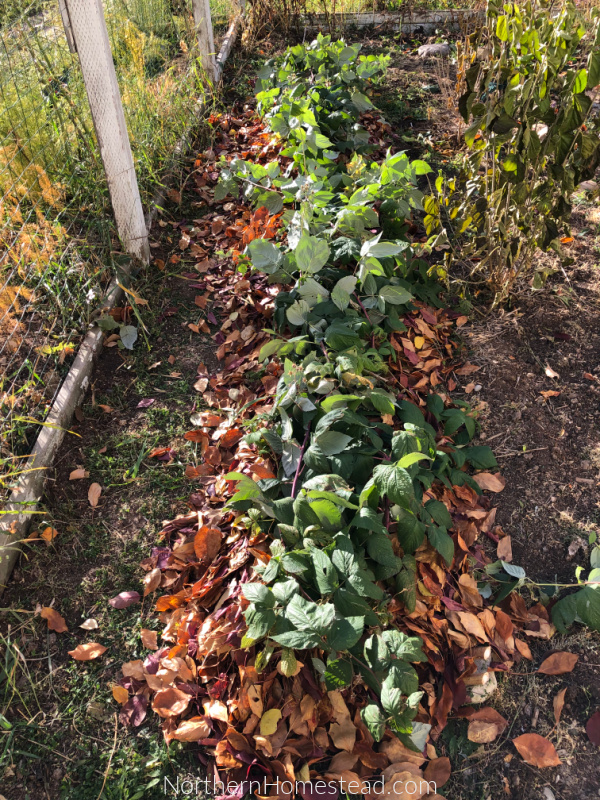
(326, 599)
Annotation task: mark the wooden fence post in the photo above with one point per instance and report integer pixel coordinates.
(90, 37)
(206, 39)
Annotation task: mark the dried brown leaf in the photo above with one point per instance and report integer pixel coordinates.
(536, 750)
(94, 493)
(491, 482)
(192, 730)
(482, 732)
(54, 620)
(207, 543)
(152, 581)
(170, 702)
(149, 639)
(558, 663)
(558, 704)
(438, 771)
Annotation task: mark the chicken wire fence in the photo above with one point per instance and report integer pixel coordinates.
(58, 242)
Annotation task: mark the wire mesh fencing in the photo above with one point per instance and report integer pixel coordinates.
(58, 243)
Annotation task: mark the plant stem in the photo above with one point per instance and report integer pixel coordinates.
(364, 310)
(299, 467)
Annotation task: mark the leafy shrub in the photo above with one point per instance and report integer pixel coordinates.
(533, 139)
(368, 458)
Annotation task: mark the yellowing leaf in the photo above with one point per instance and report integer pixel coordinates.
(49, 534)
(120, 694)
(419, 341)
(289, 664)
(269, 721)
(255, 700)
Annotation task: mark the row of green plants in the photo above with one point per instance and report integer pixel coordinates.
(345, 475)
(354, 457)
(532, 137)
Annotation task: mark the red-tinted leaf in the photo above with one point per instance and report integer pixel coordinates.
(124, 599)
(592, 729)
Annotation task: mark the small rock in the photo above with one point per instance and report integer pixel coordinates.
(430, 50)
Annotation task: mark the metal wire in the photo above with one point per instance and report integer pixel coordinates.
(57, 234)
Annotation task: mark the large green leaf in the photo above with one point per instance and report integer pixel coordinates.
(442, 542)
(264, 255)
(373, 718)
(394, 482)
(311, 253)
(345, 633)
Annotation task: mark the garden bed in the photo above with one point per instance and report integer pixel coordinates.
(96, 553)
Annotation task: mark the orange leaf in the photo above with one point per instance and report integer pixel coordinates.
(49, 534)
(566, 239)
(558, 704)
(77, 474)
(523, 648)
(536, 750)
(438, 771)
(120, 694)
(558, 663)
(88, 651)
(261, 472)
(231, 437)
(197, 436)
(54, 620)
(170, 702)
(207, 543)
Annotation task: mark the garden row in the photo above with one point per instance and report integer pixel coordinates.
(337, 599)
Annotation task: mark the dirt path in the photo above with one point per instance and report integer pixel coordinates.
(548, 447)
